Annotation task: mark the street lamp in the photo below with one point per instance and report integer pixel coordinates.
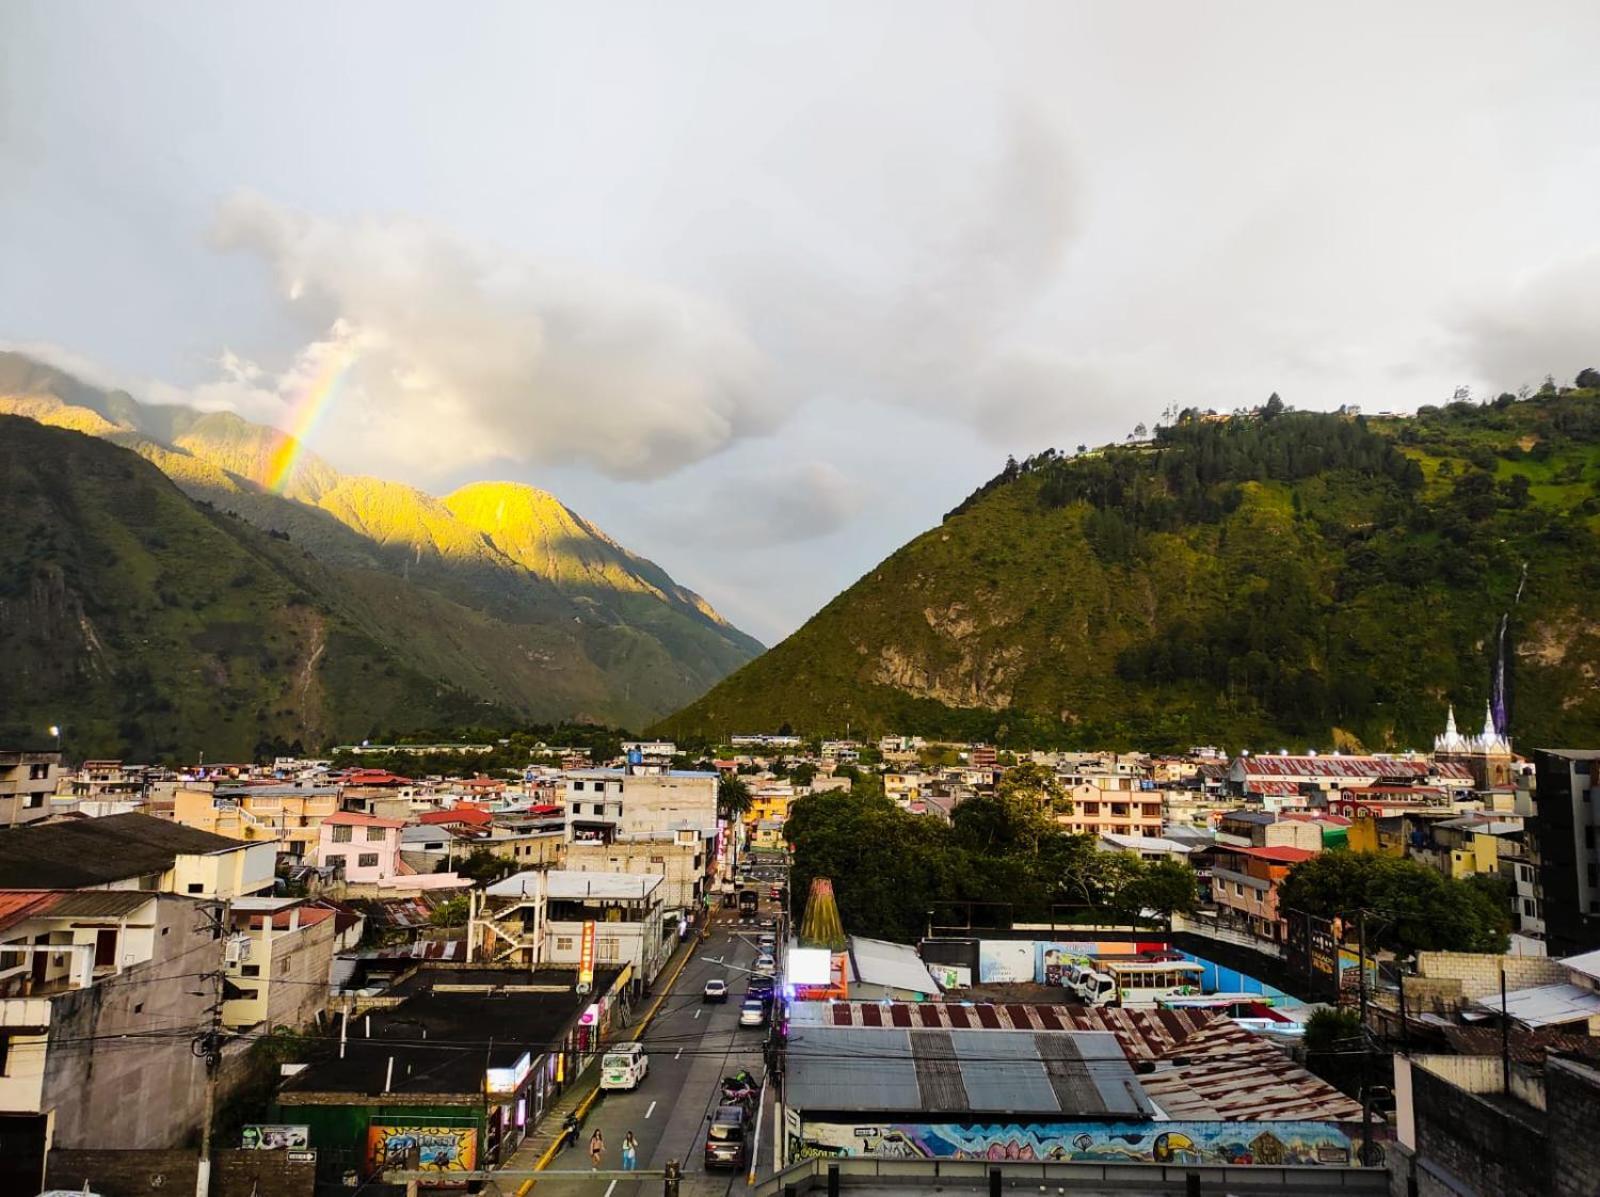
(55, 730)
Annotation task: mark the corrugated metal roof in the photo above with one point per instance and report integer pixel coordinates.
(845, 1068)
(988, 1071)
(100, 903)
(1547, 1005)
(19, 904)
(891, 965)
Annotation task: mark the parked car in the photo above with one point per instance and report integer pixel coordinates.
(753, 1012)
(726, 1140)
(716, 990)
(766, 964)
(624, 1066)
(768, 944)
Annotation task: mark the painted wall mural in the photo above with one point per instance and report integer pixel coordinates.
(1100, 1142)
(439, 1148)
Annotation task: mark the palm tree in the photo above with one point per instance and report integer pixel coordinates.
(733, 796)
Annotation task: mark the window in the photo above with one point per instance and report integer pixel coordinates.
(577, 785)
(564, 943)
(249, 995)
(250, 970)
(335, 862)
(367, 860)
(343, 833)
(195, 887)
(374, 834)
(36, 800)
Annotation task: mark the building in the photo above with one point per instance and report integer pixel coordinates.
(1563, 834)
(27, 781)
(1111, 805)
(1245, 881)
(366, 848)
(1245, 828)
(1311, 774)
(604, 804)
(627, 910)
(92, 985)
(683, 861)
(457, 1069)
(278, 962)
(1487, 756)
(135, 851)
(289, 814)
(953, 1081)
(1483, 1124)
(885, 971)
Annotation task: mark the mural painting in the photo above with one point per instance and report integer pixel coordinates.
(1277, 1143)
(439, 1148)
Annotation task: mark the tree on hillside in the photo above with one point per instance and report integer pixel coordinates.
(1588, 379)
(803, 774)
(733, 796)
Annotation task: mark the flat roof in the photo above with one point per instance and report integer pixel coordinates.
(575, 883)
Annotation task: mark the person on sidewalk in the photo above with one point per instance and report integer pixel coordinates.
(569, 1130)
(630, 1152)
(597, 1149)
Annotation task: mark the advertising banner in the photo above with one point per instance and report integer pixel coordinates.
(273, 1137)
(586, 959)
(1005, 960)
(439, 1148)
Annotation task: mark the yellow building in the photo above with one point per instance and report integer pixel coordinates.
(289, 815)
(770, 804)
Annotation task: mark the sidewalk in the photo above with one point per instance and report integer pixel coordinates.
(537, 1150)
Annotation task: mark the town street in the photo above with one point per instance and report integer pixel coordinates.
(692, 1045)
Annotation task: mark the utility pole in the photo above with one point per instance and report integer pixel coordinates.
(1366, 1045)
(208, 1046)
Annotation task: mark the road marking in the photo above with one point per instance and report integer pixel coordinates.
(678, 1055)
(652, 1108)
(697, 1013)
(610, 1187)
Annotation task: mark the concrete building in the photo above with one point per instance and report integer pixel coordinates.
(367, 848)
(289, 814)
(1244, 828)
(27, 781)
(605, 804)
(135, 851)
(1564, 841)
(277, 962)
(628, 913)
(1111, 805)
(683, 861)
(92, 984)
(1244, 883)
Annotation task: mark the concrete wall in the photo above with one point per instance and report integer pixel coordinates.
(1574, 1097)
(144, 1091)
(139, 1173)
(1468, 1145)
(1479, 972)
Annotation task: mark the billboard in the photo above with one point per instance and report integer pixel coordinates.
(586, 959)
(810, 966)
(1005, 960)
(837, 987)
(438, 1148)
(274, 1136)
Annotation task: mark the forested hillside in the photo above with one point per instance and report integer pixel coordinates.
(1269, 578)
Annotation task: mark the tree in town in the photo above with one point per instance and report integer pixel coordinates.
(733, 796)
(1166, 887)
(1333, 1043)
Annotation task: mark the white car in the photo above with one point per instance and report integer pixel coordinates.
(768, 944)
(753, 1013)
(765, 963)
(716, 990)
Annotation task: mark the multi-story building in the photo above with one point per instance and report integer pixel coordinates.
(683, 860)
(1563, 835)
(366, 848)
(1245, 881)
(93, 985)
(627, 911)
(603, 804)
(1267, 829)
(27, 780)
(277, 962)
(1111, 804)
(289, 814)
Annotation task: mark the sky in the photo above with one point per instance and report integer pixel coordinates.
(765, 290)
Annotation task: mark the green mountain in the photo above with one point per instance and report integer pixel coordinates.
(1273, 579)
(528, 606)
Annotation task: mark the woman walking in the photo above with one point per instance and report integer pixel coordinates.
(597, 1149)
(630, 1152)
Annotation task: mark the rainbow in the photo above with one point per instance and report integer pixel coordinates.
(313, 404)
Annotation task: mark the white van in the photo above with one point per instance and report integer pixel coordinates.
(624, 1066)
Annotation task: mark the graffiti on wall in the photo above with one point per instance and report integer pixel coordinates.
(1277, 1143)
(439, 1148)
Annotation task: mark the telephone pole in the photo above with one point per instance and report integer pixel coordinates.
(208, 1046)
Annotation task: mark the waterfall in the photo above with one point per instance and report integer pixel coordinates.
(1499, 698)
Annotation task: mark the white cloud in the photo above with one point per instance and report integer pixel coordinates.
(800, 501)
(1547, 323)
(461, 355)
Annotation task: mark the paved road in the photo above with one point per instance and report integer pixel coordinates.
(692, 1046)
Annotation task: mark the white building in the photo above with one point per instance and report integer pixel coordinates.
(627, 911)
(607, 804)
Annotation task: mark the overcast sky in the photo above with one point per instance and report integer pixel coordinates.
(764, 290)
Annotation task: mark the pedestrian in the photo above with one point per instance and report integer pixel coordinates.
(630, 1152)
(597, 1149)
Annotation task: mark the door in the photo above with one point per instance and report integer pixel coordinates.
(41, 960)
(105, 947)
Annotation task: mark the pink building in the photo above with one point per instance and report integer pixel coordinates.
(1112, 806)
(367, 847)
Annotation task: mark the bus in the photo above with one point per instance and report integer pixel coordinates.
(749, 902)
(1140, 982)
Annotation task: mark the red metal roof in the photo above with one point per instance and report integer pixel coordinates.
(19, 904)
(459, 814)
(1277, 854)
(357, 819)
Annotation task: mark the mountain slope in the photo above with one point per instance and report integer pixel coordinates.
(617, 640)
(1258, 581)
(147, 624)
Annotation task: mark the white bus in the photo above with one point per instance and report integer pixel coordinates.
(1140, 982)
